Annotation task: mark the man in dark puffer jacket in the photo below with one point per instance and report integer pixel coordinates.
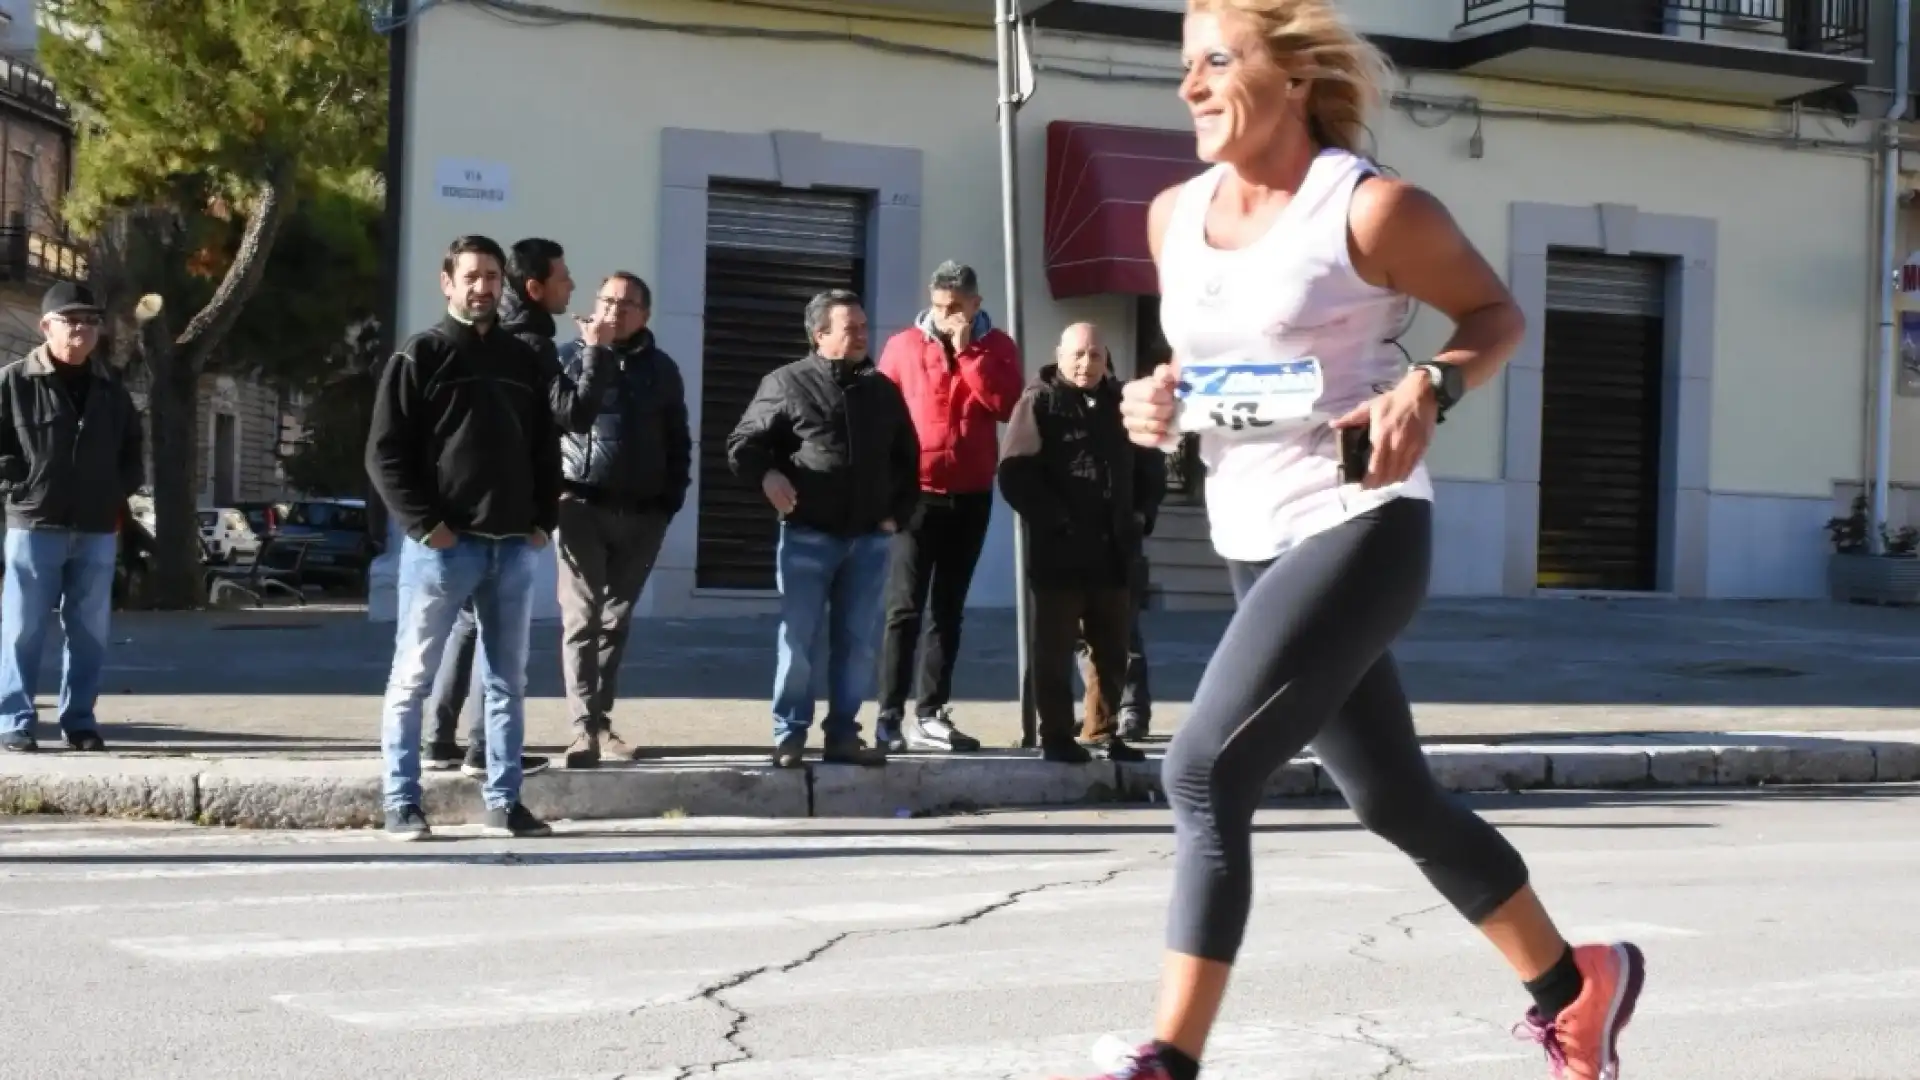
(1085, 491)
(622, 480)
(829, 442)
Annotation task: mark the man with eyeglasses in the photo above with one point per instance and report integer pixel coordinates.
(538, 287)
(70, 450)
(623, 478)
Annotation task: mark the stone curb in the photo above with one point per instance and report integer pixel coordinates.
(345, 793)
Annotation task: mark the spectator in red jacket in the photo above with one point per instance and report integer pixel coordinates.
(961, 378)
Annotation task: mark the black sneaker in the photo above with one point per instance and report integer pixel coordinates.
(442, 757)
(938, 734)
(87, 742)
(1114, 749)
(887, 736)
(407, 824)
(1064, 752)
(476, 764)
(517, 821)
(853, 752)
(19, 742)
(1134, 727)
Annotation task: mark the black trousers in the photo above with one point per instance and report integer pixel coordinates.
(1305, 661)
(930, 568)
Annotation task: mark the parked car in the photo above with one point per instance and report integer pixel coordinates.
(227, 535)
(262, 517)
(337, 528)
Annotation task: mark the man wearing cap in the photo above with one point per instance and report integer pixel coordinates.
(70, 449)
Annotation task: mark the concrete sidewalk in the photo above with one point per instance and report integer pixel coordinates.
(292, 682)
(270, 718)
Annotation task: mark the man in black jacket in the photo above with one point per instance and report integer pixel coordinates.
(539, 286)
(464, 450)
(70, 455)
(1085, 491)
(623, 480)
(829, 442)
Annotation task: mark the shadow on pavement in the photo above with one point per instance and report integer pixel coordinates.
(1521, 652)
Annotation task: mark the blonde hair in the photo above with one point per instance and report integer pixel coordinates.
(1349, 77)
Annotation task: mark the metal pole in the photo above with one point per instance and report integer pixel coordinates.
(1889, 233)
(1004, 15)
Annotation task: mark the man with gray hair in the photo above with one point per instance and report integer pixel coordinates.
(829, 442)
(961, 378)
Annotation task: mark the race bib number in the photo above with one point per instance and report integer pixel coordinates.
(1248, 398)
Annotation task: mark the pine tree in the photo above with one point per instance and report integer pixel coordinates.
(193, 117)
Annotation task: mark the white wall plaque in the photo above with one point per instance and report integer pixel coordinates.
(476, 185)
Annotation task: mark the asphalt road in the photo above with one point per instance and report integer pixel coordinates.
(1778, 928)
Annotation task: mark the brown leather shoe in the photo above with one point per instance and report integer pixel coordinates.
(583, 752)
(615, 748)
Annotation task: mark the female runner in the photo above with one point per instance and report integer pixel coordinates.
(1283, 270)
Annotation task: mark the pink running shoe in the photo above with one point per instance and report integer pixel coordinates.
(1582, 1043)
(1141, 1064)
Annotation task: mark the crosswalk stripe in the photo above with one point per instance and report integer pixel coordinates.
(948, 868)
(195, 839)
(216, 948)
(1348, 1046)
(1065, 897)
(1031, 966)
(404, 1009)
(416, 859)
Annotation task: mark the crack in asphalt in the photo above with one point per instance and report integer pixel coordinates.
(1361, 949)
(1367, 941)
(738, 1018)
(1364, 1034)
(1398, 922)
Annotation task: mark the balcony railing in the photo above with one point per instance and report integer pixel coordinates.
(37, 257)
(30, 86)
(1830, 27)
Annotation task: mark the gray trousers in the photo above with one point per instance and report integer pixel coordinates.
(605, 558)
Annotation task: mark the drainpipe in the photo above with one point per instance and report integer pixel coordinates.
(1006, 16)
(1889, 233)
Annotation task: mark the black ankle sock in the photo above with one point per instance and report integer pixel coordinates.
(1558, 988)
(1179, 1065)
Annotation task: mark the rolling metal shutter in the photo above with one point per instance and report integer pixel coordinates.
(1600, 423)
(1604, 285)
(769, 251)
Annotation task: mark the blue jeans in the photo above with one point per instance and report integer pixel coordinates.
(835, 585)
(50, 569)
(497, 575)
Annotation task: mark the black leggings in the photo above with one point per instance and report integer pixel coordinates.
(1305, 662)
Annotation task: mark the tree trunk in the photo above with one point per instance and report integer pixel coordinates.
(175, 364)
(178, 581)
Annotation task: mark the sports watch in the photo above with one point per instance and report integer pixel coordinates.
(1448, 385)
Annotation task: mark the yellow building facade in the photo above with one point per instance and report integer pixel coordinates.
(1697, 267)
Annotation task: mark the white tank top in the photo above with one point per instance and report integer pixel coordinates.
(1285, 332)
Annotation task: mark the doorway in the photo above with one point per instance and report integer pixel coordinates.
(1601, 423)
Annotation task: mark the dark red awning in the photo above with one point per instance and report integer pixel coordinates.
(1100, 180)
